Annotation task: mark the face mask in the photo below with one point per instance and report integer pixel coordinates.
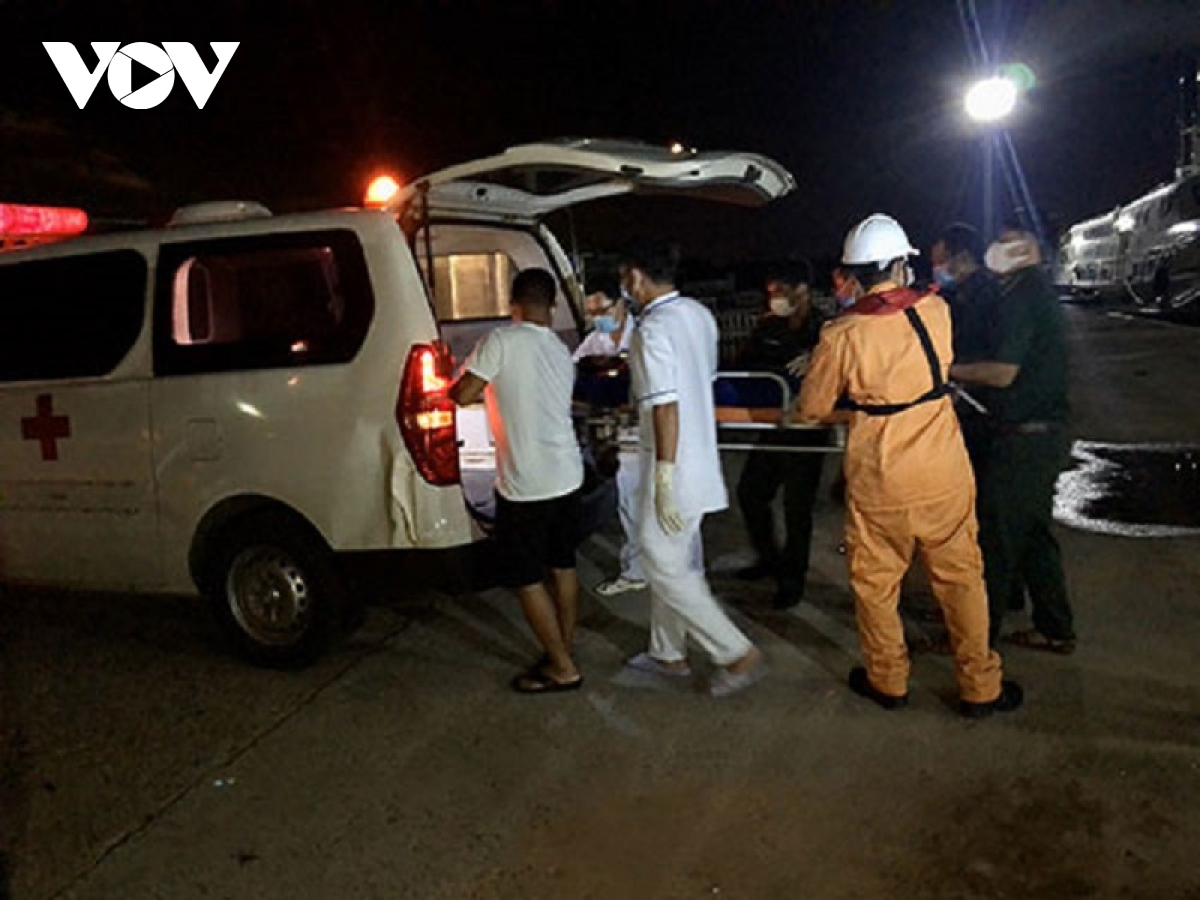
(606, 323)
(844, 295)
(781, 306)
(1007, 256)
(943, 277)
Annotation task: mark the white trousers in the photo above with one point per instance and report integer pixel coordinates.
(629, 484)
(681, 603)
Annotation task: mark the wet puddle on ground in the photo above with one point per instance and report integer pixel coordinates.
(1135, 490)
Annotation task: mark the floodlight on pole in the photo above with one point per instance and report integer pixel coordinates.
(991, 99)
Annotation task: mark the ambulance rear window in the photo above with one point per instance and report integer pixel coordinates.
(71, 317)
(273, 301)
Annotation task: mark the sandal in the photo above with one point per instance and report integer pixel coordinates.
(536, 681)
(1032, 639)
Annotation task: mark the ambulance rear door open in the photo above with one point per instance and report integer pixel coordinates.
(475, 225)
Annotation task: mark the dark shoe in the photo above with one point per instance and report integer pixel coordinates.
(787, 597)
(861, 685)
(538, 681)
(1011, 697)
(1032, 639)
(756, 572)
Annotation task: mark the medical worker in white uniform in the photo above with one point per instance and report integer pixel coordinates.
(609, 342)
(673, 361)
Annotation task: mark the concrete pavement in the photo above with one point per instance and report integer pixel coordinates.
(141, 762)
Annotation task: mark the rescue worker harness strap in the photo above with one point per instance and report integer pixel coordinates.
(940, 387)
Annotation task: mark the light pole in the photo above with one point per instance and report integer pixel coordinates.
(988, 102)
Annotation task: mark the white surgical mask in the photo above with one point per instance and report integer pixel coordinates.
(1003, 257)
(781, 306)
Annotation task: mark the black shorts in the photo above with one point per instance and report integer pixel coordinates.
(536, 535)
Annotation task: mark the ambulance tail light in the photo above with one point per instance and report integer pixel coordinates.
(426, 414)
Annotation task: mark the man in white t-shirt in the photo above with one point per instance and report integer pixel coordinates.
(525, 375)
(674, 361)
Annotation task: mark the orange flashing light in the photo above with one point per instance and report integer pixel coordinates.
(382, 189)
(40, 221)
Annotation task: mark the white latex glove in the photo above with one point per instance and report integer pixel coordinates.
(798, 366)
(670, 520)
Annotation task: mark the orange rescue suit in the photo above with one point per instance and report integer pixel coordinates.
(909, 486)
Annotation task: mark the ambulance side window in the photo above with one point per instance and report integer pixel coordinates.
(71, 317)
(274, 301)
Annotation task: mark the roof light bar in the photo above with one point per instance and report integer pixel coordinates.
(36, 221)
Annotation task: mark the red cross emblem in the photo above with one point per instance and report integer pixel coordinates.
(46, 427)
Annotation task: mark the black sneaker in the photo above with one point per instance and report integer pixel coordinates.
(861, 685)
(756, 572)
(1011, 697)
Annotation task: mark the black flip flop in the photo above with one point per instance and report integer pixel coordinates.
(536, 681)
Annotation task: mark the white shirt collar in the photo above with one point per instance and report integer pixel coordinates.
(660, 300)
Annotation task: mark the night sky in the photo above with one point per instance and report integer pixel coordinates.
(860, 99)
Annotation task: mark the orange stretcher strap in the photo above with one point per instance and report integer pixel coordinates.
(734, 415)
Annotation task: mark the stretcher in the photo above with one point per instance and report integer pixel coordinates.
(754, 411)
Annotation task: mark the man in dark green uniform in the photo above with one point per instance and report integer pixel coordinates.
(1027, 448)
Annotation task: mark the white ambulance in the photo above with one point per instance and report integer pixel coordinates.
(249, 404)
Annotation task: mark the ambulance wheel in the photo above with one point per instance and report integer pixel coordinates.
(276, 591)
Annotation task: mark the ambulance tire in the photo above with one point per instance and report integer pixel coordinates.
(277, 591)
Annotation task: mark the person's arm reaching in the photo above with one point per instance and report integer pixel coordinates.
(481, 367)
(467, 389)
(823, 384)
(992, 374)
(1016, 342)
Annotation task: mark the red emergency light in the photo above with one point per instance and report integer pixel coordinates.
(37, 221)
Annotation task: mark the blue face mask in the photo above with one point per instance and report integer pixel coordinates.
(605, 324)
(943, 277)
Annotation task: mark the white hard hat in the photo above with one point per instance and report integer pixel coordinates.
(876, 239)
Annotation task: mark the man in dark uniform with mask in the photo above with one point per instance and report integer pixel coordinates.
(1026, 378)
(973, 294)
(780, 342)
